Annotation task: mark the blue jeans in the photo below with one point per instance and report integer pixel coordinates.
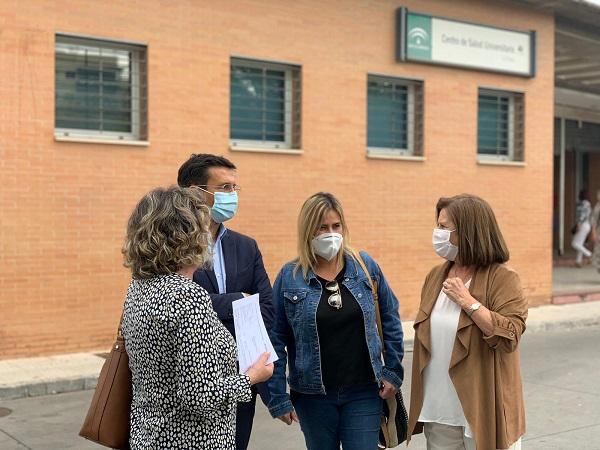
(348, 416)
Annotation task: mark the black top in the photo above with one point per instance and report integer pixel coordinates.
(345, 357)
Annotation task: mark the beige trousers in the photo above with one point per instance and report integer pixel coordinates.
(447, 437)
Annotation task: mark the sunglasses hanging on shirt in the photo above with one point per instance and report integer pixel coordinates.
(335, 298)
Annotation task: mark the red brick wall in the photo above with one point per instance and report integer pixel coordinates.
(64, 205)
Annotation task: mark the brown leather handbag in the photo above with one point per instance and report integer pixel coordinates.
(107, 421)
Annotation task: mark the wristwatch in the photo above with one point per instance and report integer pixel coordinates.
(471, 309)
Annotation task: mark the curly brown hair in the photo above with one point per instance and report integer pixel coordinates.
(167, 231)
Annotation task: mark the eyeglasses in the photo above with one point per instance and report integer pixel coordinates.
(335, 298)
(227, 187)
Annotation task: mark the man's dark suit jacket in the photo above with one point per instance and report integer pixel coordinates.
(245, 273)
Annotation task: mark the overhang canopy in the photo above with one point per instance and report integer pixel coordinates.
(577, 42)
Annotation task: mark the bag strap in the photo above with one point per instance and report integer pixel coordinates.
(120, 330)
(374, 286)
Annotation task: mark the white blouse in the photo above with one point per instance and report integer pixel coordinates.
(440, 402)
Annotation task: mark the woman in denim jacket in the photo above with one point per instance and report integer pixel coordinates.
(325, 328)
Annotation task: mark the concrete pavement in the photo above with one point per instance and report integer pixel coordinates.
(32, 377)
(560, 370)
(566, 280)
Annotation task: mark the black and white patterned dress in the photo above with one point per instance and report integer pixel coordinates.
(182, 360)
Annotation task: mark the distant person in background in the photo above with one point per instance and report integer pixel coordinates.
(582, 227)
(596, 232)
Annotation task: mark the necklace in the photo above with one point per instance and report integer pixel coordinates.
(466, 274)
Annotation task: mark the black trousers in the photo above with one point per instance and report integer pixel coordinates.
(244, 419)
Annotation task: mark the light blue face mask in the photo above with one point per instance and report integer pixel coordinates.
(225, 206)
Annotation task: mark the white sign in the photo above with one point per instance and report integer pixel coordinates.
(444, 41)
(480, 47)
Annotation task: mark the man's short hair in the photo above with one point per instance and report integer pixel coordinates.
(194, 172)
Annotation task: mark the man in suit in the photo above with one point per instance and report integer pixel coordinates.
(238, 269)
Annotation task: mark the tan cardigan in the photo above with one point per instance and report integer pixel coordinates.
(484, 370)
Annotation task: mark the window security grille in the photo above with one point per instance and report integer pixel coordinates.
(394, 116)
(101, 89)
(500, 125)
(265, 107)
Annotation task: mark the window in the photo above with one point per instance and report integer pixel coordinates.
(265, 104)
(394, 116)
(101, 89)
(500, 125)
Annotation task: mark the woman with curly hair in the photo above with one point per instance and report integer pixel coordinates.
(182, 359)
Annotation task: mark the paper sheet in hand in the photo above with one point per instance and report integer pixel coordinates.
(250, 332)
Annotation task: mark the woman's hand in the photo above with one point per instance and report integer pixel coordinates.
(456, 291)
(260, 371)
(289, 418)
(387, 390)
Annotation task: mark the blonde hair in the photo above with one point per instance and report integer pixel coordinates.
(480, 241)
(167, 231)
(311, 216)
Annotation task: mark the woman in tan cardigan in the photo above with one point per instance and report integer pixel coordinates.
(466, 379)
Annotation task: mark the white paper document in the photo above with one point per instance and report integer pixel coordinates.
(250, 332)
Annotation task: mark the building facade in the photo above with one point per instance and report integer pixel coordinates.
(98, 106)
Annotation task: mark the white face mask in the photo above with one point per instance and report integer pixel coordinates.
(327, 245)
(442, 245)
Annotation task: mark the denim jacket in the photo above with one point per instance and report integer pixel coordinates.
(295, 337)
